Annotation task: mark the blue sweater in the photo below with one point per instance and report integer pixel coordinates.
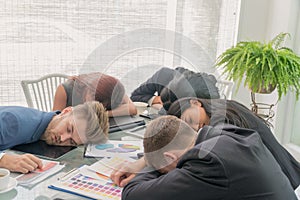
(19, 125)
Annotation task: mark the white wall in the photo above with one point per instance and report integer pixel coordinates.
(262, 20)
(252, 26)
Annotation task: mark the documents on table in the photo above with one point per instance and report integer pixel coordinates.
(105, 166)
(87, 183)
(36, 176)
(112, 148)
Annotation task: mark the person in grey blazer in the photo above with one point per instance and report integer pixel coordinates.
(168, 85)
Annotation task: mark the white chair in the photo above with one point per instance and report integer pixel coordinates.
(40, 93)
(225, 88)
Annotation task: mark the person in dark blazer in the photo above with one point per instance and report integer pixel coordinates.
(223, 162)
(200, 112)
(167, 85)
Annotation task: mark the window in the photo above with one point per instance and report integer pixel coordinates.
(287, 128)
(39, 38)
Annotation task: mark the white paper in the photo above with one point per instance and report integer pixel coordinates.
(112, 148)
(106, 166)
(38, 175)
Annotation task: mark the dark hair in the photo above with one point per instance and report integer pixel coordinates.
(218, 110)
(190, 84)
(183, 70)
(106, 89)
(164, 134)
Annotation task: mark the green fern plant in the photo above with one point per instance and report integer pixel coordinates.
(264, 65)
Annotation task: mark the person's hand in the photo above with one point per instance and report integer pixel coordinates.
(122, 176)
(157, 100)
(126, 172)
(20, 163)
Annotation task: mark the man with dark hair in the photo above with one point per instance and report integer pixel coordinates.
(171, 84)
(223, 162)
(191, 84)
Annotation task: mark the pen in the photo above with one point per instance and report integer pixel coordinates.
(102, 176)
(138, 128)
(63, 177)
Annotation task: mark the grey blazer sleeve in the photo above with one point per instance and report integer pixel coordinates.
(155, 83)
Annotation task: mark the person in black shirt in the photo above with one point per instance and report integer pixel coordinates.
(200, 112)
(167, 85)
(223, 162)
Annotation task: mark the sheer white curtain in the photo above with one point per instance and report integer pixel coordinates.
(128, 39)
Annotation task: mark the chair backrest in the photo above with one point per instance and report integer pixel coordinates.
(40, 93)
(225, 88)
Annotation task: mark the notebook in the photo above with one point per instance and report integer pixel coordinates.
(42, 149)
(32, 178)
(124, 122)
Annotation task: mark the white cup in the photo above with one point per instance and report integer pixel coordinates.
(140, 106)
(4, 178)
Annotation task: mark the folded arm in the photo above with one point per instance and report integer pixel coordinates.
(155, 83)
(126, 172)
(60, 98)
(126, 108)
(176, 185)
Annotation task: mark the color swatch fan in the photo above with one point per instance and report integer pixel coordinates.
(85, 185)
(125, 149)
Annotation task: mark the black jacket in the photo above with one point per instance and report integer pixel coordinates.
(156, 83)
(228, 164)
(180, 82)
(289, 165)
